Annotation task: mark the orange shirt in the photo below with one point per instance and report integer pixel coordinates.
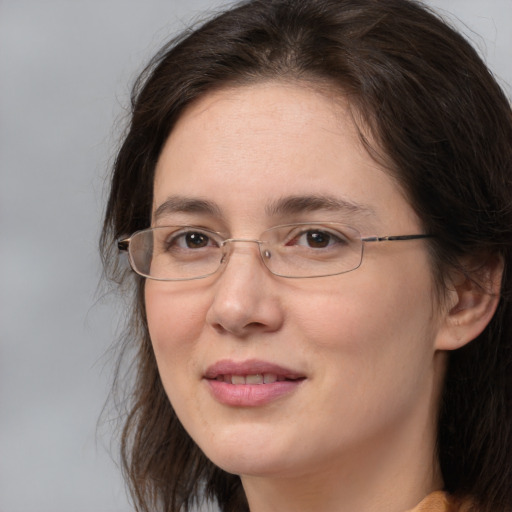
(441, 502)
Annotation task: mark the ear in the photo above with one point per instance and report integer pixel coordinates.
(471, 301)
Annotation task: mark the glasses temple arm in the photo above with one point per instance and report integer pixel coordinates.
(123, 245)
(394, 238)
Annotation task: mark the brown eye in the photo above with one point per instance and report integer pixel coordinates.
(318, 239)
(196, 240)
(191, 240)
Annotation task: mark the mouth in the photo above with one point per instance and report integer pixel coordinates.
(252, 371)
(257, 378)
(250, 383)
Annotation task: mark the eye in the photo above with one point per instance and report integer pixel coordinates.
(317, 239)
(184, 240)
(194, 240)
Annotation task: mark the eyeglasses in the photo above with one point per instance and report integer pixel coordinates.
(313, 249)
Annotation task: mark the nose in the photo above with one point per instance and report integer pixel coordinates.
(246, 296)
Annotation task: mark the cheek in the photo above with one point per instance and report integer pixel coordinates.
(375, 351)
(175, 316)
(379, 328)
(362, 304)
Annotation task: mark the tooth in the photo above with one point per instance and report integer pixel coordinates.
(268, 378)
(254, 379)
(280, 378)
(237, 379)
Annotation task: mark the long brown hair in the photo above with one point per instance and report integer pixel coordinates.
(444, 128)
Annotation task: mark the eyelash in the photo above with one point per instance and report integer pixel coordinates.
(174, 239)
(335, 238)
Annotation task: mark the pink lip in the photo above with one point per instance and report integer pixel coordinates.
(250, 395)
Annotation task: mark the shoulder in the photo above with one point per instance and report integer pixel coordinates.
(440, 501)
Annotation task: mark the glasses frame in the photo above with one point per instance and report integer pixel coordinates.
(123, 245)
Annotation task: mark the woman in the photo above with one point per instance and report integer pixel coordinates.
(316, 197)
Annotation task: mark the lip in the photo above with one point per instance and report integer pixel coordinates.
(279, 381)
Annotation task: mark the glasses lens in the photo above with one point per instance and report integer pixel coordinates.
(311, 250)
(173, 253)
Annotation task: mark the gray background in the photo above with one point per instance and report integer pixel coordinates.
(65, 72)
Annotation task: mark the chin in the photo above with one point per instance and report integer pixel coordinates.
(252, 464)
(249, 450)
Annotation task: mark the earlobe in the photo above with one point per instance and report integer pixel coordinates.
(470, 305)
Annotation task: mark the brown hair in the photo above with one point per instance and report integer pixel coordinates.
(444, 125)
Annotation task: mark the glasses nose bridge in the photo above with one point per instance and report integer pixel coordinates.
(227, 246)
(225, 243)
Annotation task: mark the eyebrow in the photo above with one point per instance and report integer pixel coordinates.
(289, 205)
(182, 204)
(308, 203)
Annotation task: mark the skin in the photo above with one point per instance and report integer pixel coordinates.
(359, 431)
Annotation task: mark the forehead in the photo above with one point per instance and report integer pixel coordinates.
(245, 148)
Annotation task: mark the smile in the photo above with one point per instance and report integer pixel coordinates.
(250, 383)
(258, 378)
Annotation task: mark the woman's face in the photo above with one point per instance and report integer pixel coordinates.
(356, 350)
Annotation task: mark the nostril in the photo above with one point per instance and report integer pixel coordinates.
(255, 325)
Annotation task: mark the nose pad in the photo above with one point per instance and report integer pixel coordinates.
(228, 247)
(227, 251)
